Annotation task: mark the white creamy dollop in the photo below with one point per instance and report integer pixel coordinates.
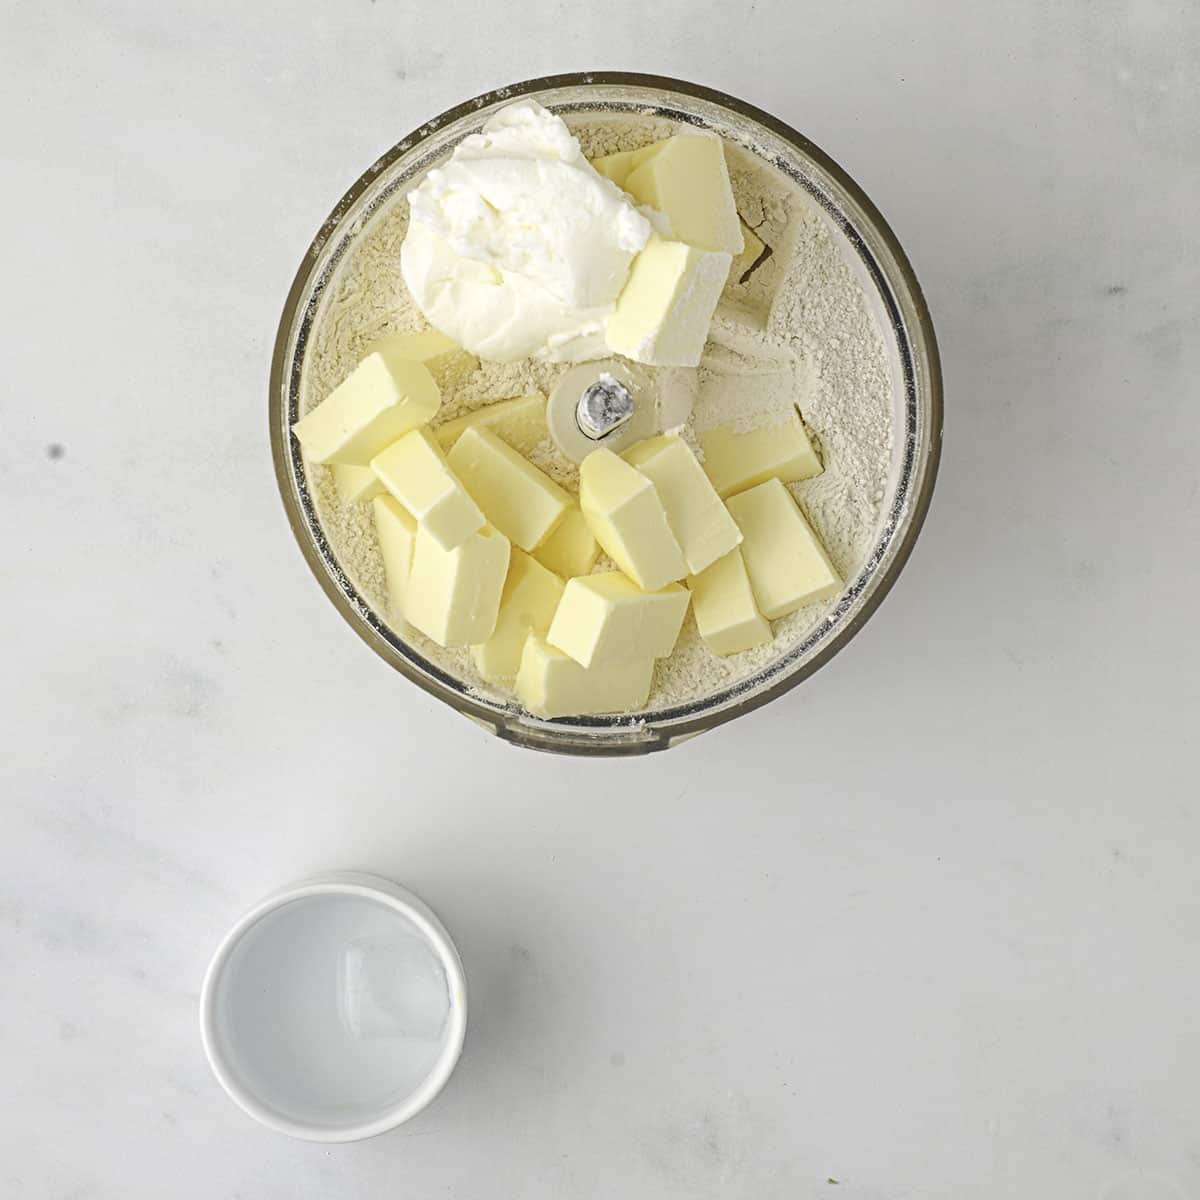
(518, 247)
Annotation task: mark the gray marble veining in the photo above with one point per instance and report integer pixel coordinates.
(846, 948)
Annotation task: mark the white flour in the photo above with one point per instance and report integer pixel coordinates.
(798, 330)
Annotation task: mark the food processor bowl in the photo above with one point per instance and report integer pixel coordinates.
(867, 244)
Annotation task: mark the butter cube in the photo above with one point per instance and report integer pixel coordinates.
(525, 504)
(735, 461)
(527, 605)
(453, 596)
(415, 471)
(447, 361)
(397, 532)
(787, 565)
(618, 166)
(665, 309)
(520, 422)
(606, 618)
(700, 522)
(380, 400)
(572, 548)
(552, 684)
(723, 602)
(687, 180)
(356, 485)
(627, 518)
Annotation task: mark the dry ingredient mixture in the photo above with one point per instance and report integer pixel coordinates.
(795, 330)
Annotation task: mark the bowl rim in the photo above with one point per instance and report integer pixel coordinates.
(680, 729)
(391, 895)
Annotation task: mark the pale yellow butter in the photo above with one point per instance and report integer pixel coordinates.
(607, 618)
(356, 485)
(627, 518)
(700, 522)
(572, 548)
(448, 362)
(527, 605)
(723, 604)
(380, 400)
(735, 461)
(787, 565)
(618, 166)
(525, 504)
(453, 596)
(397, 533)
(665, 309)
(520, 422)
(686, 179)
(415, 471)
(552, 684)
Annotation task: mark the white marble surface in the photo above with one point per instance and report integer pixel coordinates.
(929, 927)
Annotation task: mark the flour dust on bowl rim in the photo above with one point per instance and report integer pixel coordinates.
(877, 262)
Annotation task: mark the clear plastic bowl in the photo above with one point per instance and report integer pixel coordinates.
(891, 288)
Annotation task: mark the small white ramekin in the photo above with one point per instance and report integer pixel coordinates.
(417, 917)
